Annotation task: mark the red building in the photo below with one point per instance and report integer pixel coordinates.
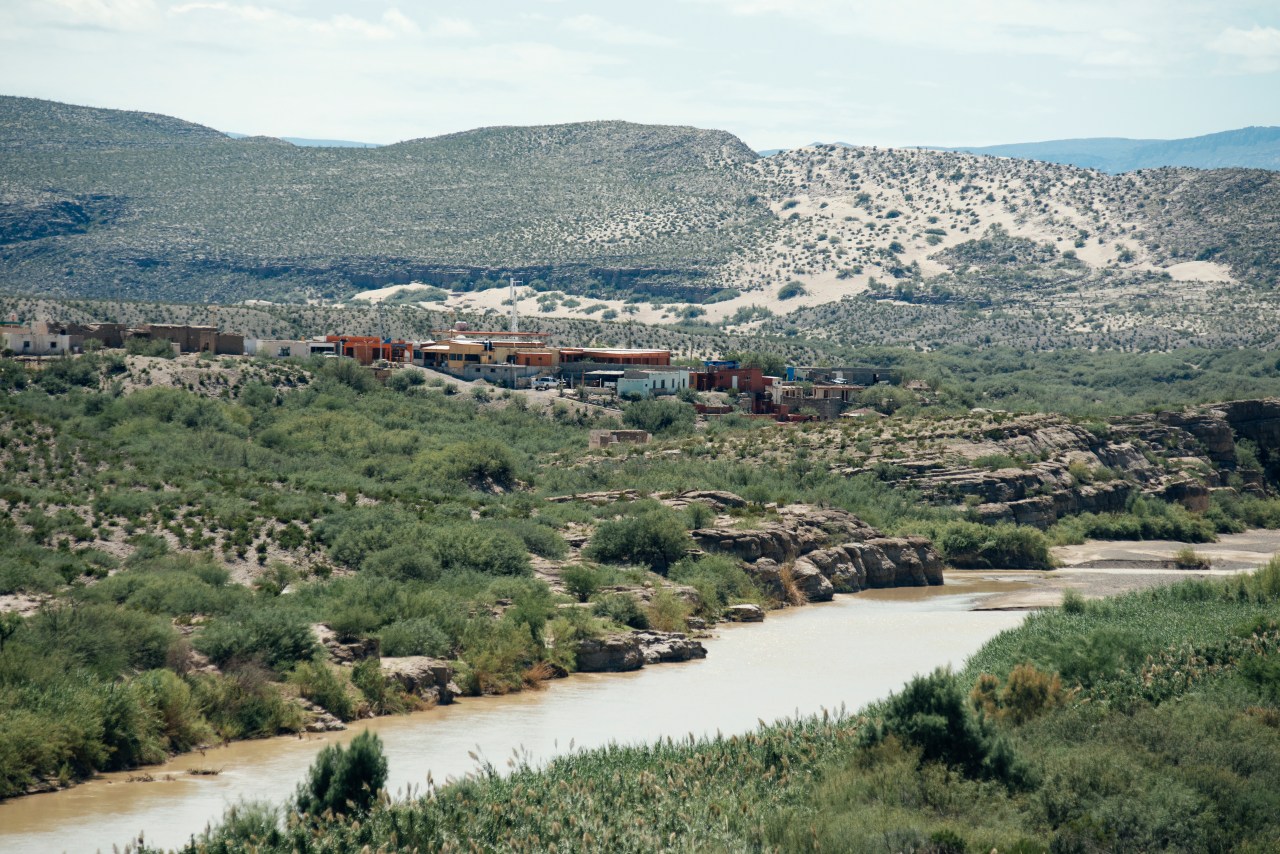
(742, 380)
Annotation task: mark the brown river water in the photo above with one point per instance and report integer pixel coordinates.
(841, 654)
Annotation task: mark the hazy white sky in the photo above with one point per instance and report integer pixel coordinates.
(778, 73)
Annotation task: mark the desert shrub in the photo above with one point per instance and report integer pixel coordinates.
(563, 633)
(1073, 602)
(719, 580)
(352, 620)
(497, 654)
(481, 463)
(655, 539)
(792, 290)
(1263, 672)
(245, 704)
(384, 695)
(274, 639)
(932, 714)
(623, 609)
(995, 462)
(1145, 519)
(175, 708)
(324, 686)
(476, 548)
(540, 539)
(699, 515)
(1189, 558)
(971, 545)
(419, 636)
(347, 372)
(344, 780)
(659, 417)
(1095, 655)
(1027, 694)
(403, 561)
(149, 347)
(100, 638)
(667, 612)
(580, 581)
(402, 381)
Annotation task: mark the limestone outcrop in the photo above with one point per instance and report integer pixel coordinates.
(610, 654)
(427, 678)
(744, 613)
(662, 647)
(345, 652)
(822, 551)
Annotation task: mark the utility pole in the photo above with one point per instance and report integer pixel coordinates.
(515, 314)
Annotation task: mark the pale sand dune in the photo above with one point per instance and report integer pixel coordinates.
(1199, 271)
(380, 294)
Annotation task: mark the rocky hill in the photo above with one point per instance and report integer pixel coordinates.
(101, 202)
(663, 224)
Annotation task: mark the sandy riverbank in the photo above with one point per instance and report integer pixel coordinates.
(1097, 569)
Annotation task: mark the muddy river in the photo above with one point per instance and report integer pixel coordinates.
(841, 654)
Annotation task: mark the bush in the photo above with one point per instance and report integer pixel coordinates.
(655, 539)
(344, 780)
(274, 639)
(420, 636)
(970, 545)
(404, 380)
(719, 580)
(668, 612)
(931, 714)
(385, 696)
(482, 463)
(660, 417)
(791, 290)
(322, 685)
(581, 582)
(1027, 694)
(1189, 558)
(245, 704)
(623, 609)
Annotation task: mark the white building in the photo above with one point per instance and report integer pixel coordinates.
(24, 342)
(275, 348)
(652, 382)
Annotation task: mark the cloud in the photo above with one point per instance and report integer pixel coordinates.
(392, 24)
(611, 33)
(452, 28)
(104, 14)
(1091, 34)
(1257, 49)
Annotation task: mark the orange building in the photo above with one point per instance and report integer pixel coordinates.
(614, 356)
(367, 349)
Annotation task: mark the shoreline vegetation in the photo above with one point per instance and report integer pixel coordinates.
(1147, 721)
(198, 550)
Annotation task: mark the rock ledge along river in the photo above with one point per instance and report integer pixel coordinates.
(799, 661)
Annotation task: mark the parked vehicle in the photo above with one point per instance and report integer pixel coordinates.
(545, 383)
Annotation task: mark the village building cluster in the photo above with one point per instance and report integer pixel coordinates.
(505, 359)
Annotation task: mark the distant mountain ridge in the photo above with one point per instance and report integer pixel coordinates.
(306, 142)
(1247, 148)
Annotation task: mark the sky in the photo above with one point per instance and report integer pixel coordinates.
(777, 73)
